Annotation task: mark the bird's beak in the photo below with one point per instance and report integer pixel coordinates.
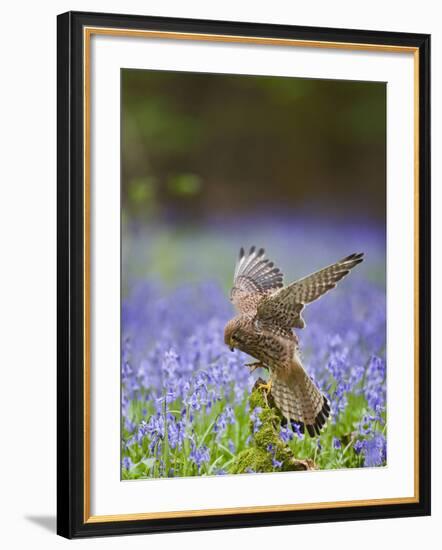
(232, 349)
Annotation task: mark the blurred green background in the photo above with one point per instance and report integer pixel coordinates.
(214, 162)
(196, 146)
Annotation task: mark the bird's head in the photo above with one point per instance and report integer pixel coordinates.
(232, 334)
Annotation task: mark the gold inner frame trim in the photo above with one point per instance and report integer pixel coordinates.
(87, 34)
(202, 37)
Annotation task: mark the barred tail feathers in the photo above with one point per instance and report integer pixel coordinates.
(301, 402)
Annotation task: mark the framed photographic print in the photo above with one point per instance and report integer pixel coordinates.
(243, 274)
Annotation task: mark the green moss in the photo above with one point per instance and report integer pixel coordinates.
(252, 459)
(266, 445)
(257, 399)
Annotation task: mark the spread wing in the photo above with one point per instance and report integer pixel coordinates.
(286, 304)
(255, 277)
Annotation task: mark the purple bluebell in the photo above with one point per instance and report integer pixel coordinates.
(127, 463)
(287, 435)
(375, 451)
(255, 418)
(199, 455)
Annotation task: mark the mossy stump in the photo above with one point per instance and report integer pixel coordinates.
(267, 448)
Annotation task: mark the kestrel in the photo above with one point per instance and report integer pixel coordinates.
(268, 312)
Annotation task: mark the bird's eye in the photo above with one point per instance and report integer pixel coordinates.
(234, 337)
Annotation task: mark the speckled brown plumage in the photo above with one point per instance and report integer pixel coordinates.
(268, 312)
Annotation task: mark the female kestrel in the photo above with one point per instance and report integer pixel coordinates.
(268, 313)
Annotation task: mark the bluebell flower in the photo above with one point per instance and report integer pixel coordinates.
(366, 424)
(220, 424)
(230, 415)
(286, 435)
(297, 429)
(375, 451)
(254, 417)
(143, 429)
(129, 425)
(199, 455)
(175, 433)
(127, 463)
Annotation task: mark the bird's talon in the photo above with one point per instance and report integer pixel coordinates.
(266, 387)
(253, 366)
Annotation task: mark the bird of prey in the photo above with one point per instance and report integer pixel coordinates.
(268, 312)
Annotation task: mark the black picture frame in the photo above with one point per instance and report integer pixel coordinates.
(72, 521)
